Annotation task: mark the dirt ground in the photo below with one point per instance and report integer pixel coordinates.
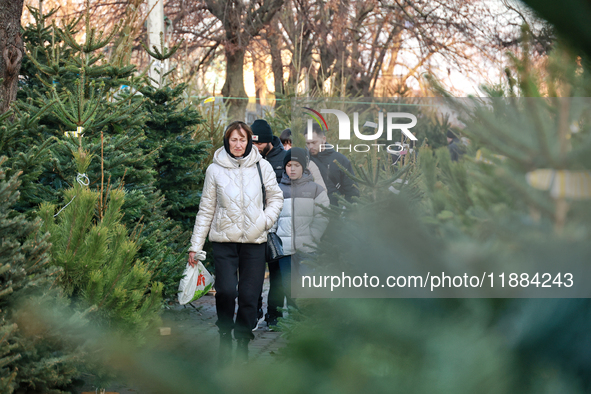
(192, 328)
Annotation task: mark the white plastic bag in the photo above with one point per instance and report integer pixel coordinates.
(196, 282)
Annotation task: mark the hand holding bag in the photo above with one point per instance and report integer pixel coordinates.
(196, 282)
(274, 249)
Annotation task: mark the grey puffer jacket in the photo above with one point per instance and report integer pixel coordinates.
(301, 224)
(231, 207)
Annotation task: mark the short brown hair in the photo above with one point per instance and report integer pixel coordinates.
(238, 125)
(315, 129)
(285, 136)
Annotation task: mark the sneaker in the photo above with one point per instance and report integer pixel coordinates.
(260, 319)
(272, 323)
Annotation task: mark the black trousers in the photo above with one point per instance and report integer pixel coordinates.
(276, 291)
(242, 265)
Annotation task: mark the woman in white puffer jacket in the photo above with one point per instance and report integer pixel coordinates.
(231, 212)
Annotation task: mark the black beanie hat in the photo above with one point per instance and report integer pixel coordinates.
(261, 131)
(450, 134)
(296, 154)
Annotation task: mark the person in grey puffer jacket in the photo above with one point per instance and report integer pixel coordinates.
(301, 224)
(231, 212)
(271, 148)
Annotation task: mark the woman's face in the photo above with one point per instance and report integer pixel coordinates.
(238, 142)
(294, 170)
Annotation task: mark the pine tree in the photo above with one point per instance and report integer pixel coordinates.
(485, 211)
(169, 125)
(98, 257)
(75, 90)
(33, 354)
(525, 195)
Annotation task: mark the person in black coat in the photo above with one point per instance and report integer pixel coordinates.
(285, 138)
(271, 149)
(269, 146)
(337, 182)
(456, 149)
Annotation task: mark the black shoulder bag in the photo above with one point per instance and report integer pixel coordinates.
(274, 244)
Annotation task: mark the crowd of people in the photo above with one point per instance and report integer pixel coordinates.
(297, 183)
(260, 183)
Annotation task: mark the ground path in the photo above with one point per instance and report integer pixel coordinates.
(199, 321)
(192, 328)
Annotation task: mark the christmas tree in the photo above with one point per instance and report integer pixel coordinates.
(33, 355)
(169, 127)
(98, 256)
(72, 89)
(497, 209)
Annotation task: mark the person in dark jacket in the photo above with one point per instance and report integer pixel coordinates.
(271, 148)
(269, 145)
(454, 145)
(336, 181)
(285, 138)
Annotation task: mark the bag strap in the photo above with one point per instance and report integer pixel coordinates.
(262, 186)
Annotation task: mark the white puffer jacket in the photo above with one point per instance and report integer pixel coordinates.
(231, 207)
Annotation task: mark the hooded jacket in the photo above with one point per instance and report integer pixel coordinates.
(275, 157)
(337, 182)
(231, 207)
(456, 149)
(301, 223)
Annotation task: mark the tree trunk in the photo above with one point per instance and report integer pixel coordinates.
(276, 62)
(234, 85)
(11, 50)
(155, 28)
(242, 21)
(260, 79)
